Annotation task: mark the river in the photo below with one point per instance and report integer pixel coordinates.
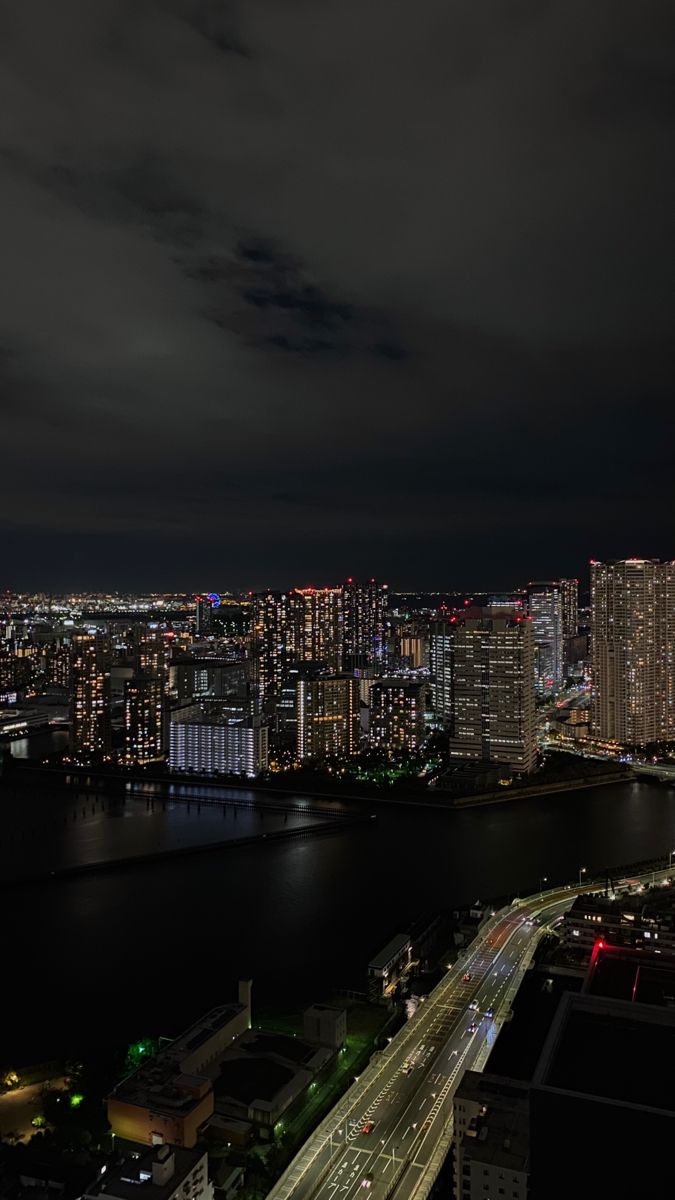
(102, 959)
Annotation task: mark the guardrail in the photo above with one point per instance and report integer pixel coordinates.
(322, 1138)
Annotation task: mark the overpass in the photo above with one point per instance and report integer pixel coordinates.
(391, 1131)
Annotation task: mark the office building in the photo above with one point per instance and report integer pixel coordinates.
(218, 739)
(163, 1173)
(364, 607)
(90, 698)
(484, 684)
(633, 651)
(144, 721)
(327, 716)
(397, 715)
(491, 1146)
(545, 606)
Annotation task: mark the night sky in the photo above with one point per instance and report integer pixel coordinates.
(296, 289)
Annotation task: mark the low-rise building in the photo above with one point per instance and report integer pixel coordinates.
(170, 1097)
(263, 1074)
(165, 1173)
(491, 1147)
(325, 1025)
(643, 920)
(385, 970)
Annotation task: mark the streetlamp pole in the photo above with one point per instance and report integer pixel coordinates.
(544, 879)
(582, 871)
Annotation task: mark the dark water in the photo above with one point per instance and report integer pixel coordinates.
(101, 959)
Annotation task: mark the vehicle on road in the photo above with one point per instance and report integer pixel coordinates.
(472, 1027)
(489, 1012)
(473, 1004)
(466, 977)
(367, 1180)
(368, 1127)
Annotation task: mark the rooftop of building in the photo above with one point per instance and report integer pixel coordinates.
(636, 975)
(500, 1134)
(610, 1049)
(398, 945)
(319, 1009)
(123, 1180)
(264, 1070)
(162, 1082)
(657, 901)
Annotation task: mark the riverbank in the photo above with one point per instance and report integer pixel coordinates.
(522, 793)
(92, 779)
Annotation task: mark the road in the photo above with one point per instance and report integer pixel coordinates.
(391, 1130)
(18, 1107)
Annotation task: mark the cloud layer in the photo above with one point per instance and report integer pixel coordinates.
(294, 288)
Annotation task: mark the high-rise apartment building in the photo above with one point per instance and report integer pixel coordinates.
(545, 606)
(144, 721)
(151, 649)
(483, 667)
(274, 640)
(90, 698)
(633, 651)
(302, 625)
(213, 739)
(319, 617)
(569, 591)
(397, 715)
(364, 615)
(327, 716)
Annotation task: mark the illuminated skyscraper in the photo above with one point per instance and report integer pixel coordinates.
(302, 625)
(364, 607)
(486, 693)
(275, 638)
(327, 716)
(90, 698)
(545, 605)
(396, 715)
(144, 721)
(151, 652)
(633, 651)
(569, 590)
(441, 647)
(319, 617)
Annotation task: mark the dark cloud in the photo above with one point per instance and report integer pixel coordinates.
(315, 287)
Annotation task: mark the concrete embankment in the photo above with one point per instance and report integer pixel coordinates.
(548, 789)
(320, 828)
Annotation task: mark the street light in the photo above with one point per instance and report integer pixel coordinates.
(670, 859)
(582, 871)
(544, 879)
